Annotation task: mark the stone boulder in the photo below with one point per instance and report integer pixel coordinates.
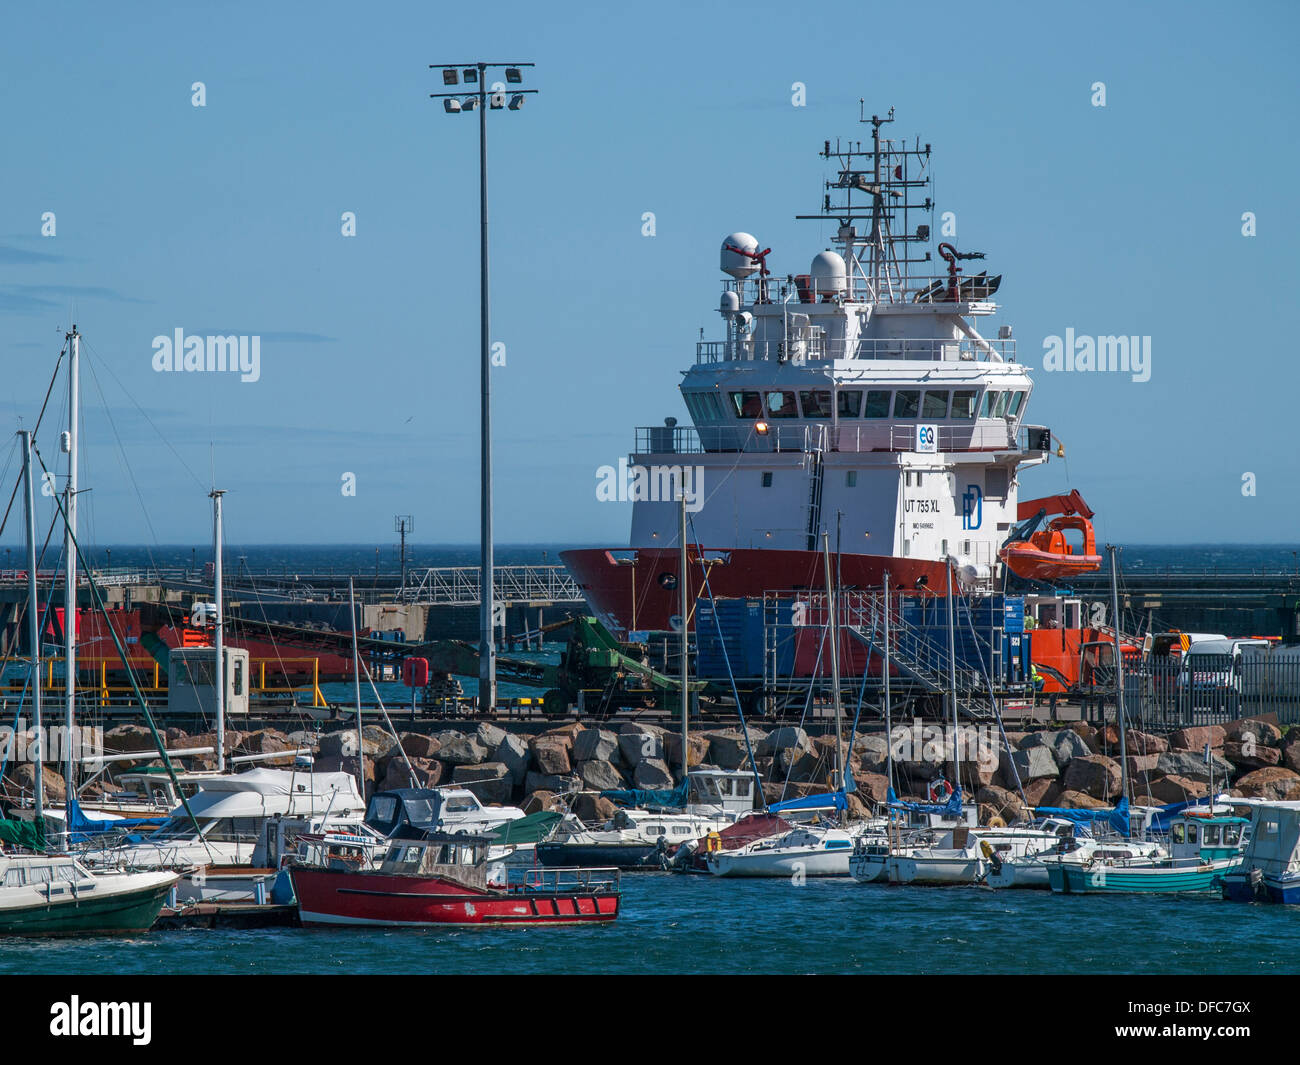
(24, 776)
(1042, 792)
(1006, 804)
(1065, 744)
(697, 751)
(1251, 755)
(1141, 766)
(552, 782)
(1078, 800)
(539, 802)
(513, 753)
(600, 776)
(423, 773)
(332, 763)
(455, 748)
(490, 781)
(783, 738)
(873, 787)
(592, 809)
(266, 741)
(127, 739)
(551, 755)
(653, 774)
(1192, 765)
(595, 745)
(1291, 750)
(1262, 733)
(1176, 788)
(489, 735)
(872, 752)
(1094, 775)
(418, 745)
(639, 743)
(1136, 742)
(1274, 782)
(378, 741)
(1030, 763)
(1196, 737)
(727, 749)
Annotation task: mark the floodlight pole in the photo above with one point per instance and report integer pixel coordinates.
(487, 657)
(487, 648)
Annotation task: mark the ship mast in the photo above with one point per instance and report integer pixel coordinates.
(70, 556)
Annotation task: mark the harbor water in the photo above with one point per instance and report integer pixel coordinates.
(701, 925)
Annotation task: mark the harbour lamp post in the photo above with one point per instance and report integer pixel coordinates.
(477, 97)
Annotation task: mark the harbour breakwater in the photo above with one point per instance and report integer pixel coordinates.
(1076, 766)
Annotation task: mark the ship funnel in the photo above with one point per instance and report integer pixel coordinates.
(738, 265)
(829, 274)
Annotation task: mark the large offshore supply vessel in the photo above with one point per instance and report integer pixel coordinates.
(858, 399)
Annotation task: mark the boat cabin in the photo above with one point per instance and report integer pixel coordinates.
(1209, 838)
(460, 856)
(430, 808)
(730, 789)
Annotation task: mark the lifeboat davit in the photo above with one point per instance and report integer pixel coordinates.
(1048, 556)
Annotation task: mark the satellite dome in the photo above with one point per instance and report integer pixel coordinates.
(829, 273)
(730, 303)
(737, 265)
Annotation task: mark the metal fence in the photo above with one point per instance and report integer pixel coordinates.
(1203, 689)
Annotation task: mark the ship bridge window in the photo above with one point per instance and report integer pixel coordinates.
(877, 405)
(816, 404)
(963, 405)
(781, 405)
(935, 405)
(850, 401)
(747, 404)
(1016, 400)
(906, 403)
(990, 403)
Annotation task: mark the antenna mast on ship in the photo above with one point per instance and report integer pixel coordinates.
(891, 175)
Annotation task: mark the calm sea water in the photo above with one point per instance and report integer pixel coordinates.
(699, 924)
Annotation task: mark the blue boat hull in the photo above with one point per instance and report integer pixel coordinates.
(1240, 887)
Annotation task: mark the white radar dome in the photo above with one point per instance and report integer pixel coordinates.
(737, 265)
(730, 302)
(829, 273)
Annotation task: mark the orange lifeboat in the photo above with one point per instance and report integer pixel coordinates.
(1046, 554)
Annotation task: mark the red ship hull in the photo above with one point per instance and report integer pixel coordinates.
(635, 591)
(335, 897)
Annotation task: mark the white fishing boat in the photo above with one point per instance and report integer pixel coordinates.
(957, 855)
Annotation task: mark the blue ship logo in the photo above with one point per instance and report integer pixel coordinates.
(972, 507)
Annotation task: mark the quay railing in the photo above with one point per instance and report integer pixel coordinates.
(559, 881)
(816, 348)
(511, 584)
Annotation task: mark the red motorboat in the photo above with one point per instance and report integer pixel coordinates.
(438, 878)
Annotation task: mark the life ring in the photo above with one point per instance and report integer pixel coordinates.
(940, 790)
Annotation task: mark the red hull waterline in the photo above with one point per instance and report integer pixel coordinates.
(630, 591)
(327, 897)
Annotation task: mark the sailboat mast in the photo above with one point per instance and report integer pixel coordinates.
(70, 555)
(889, 728)
(1119, 670)
(219, 627)
(952, 673)
(683, 606)
(356, 680)
(33, 626)
(835, 659)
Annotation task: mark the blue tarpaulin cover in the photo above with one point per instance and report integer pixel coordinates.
(1118, 818)
(643, 797)
(82, 828)
(812, 802)
(951, 808)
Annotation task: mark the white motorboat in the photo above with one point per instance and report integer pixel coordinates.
(957, 855)
(806, 850)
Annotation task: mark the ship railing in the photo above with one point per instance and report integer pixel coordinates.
(986, 434)
(511, 584)
(802, 290)
(561, 881)
(799, 349)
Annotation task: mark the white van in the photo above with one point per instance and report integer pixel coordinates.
(1211, 670)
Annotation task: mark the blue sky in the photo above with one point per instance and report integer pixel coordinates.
(1117, 220)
